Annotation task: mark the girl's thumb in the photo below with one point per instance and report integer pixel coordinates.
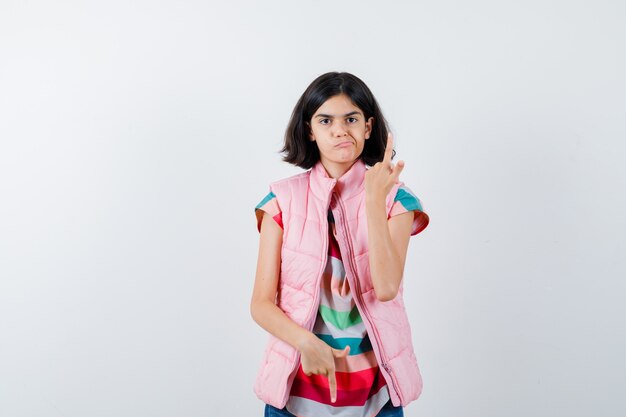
(398, 169)
(341, 353)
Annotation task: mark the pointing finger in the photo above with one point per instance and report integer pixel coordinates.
(332, 384)
(388, 149)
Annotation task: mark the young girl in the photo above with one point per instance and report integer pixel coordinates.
(332, 251)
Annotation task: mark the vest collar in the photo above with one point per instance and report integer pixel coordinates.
(349, 184)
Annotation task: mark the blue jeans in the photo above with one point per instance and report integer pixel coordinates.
(387, 411)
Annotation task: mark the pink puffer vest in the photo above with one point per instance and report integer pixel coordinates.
(304, 200)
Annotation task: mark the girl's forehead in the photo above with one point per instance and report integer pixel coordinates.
(338, 105)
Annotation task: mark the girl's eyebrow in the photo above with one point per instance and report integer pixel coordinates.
(331, 116)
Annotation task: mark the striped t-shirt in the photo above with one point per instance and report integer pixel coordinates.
(361, 388)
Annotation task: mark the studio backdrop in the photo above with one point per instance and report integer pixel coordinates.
(137, 137)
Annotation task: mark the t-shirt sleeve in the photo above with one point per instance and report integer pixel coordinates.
(269, 205)
(406, 200)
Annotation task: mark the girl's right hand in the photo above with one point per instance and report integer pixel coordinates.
(318, 358)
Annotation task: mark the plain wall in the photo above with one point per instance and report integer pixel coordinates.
(136, 137)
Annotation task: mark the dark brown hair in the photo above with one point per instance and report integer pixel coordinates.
(302, 152)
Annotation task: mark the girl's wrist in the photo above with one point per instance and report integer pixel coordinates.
(374, 201)
(304, 340)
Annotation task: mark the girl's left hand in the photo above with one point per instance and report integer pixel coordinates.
(380, 179)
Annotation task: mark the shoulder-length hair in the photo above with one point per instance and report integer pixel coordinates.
(301, 151)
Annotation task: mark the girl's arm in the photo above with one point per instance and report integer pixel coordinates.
(263, 305)
(388, 240)
(317, 357)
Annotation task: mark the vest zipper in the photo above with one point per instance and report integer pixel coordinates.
(316, 301)
(371, 329)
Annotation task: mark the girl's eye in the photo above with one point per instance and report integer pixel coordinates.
(352, 120)
(324, 121)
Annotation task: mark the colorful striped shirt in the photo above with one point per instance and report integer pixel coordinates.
(361, 388)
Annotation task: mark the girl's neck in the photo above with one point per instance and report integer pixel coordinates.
(336, 170)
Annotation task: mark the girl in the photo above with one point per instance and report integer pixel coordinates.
(333, 243)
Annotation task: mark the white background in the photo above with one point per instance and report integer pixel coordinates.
(137, 136)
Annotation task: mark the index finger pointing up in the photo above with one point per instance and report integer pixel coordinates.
(388, 149)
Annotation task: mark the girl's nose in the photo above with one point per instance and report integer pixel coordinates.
(340, 130)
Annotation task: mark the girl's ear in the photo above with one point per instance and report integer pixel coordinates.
(368, 127)
(309, 131)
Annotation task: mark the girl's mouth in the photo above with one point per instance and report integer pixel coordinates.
(343, 144)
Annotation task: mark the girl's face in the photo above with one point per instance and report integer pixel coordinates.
(340, 130)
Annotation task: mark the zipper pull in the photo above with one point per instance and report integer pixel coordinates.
(386, 366)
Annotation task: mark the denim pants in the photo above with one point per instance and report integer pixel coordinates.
(387, 411)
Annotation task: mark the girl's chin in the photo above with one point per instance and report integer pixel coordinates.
(347, 154)
(343, 156)
(341, 161)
